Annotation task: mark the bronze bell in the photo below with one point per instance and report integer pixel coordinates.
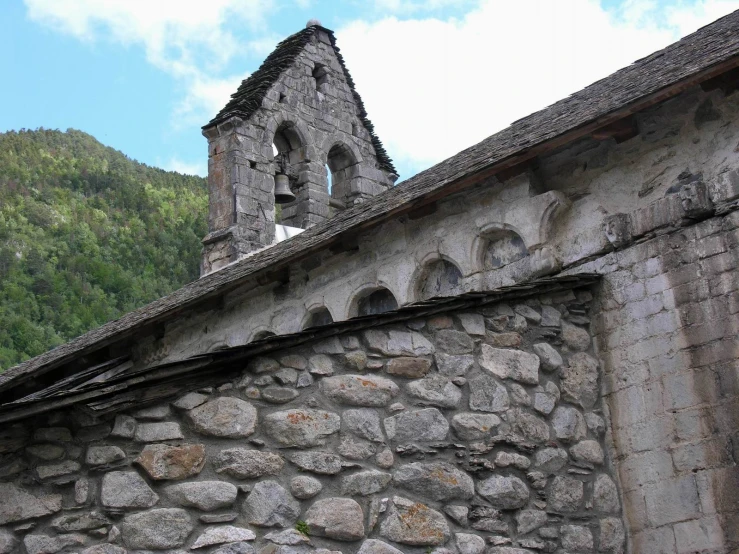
(283, 194)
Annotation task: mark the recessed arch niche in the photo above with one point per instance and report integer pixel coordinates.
(502, 247)
(374, 301)
(439, 278)
(318, 317)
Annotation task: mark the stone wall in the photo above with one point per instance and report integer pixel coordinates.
(667, 325)
(468, 432)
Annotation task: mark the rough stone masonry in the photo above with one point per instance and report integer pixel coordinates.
(596, 419)
(479, 431)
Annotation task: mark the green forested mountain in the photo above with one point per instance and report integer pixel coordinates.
(86, 235)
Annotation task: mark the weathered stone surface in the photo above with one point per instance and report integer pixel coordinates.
(190, 400)
(105, 548)
(356, 360)
(488, 395)
(454, 365)
(81, 490)
(323, 463)
(595, 423)
(550, 317)
(398, 343)
(331, 345)
(289, 537)
(470, 426)
(587, 451)
(44, 544)
(124, 427)
(101, 455)
(224, 417)
(576, 538)
(269, 505)
(373, 546)
(509, 550)
(454, 342)
(225, 517)
(159, 431)
(336, 518)
(568, 424)
(544, 402)
(162, 461)
(605, 495)
(244, 463)
(528, 425)
(8, 542)
(359, 390)
(436, 390)
(301, 428)
(579, 380)
(504, 492)
(565, 494)
(204, 495)
(550, 460)
(223, 534)
(549, 357)
(384, 458)
(413, 523)
(575, 337)
(510, 364)
(304, 486)
(458, 514)
(419, 425)
(511, 459)
(356, 449)
(472, 323)
(286, 376)
(365, 483)
(411, 368)
(437, 480)
(321, 364)
(279, 395)
(46, 451)
(468, 543)
(262, 365)
(530, 520)
(504, 340)
(612, 535)
(126, 489)
(519, 394)
(235, 548)
(156, 529)
(364, 423)
(295, 361)
(79, 522)
(153, 412)
(54, 471)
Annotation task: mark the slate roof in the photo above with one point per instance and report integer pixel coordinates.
(248, 98)
(710, 51)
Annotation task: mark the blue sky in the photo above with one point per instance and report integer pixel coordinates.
(436, 75)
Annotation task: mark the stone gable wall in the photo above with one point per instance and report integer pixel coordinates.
(472, 432)
(305, 117)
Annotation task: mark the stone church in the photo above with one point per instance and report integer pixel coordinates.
(531, 347)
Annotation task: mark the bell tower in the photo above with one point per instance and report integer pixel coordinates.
(294, 134)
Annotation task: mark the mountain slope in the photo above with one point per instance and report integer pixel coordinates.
(86, 235)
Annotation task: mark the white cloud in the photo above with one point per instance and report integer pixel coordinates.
(189, 39)
(434, 87)
(175, 164)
